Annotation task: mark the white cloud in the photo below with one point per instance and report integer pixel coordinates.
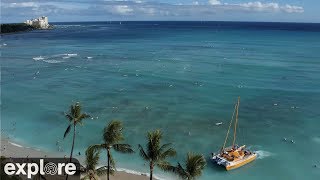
(292, 9)
(23, 4)
(147, 10)
(214, 2)
(269, 7)
(260, 5)
(122, 9)
(143, 9)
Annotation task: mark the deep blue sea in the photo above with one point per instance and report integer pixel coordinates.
(181, 77)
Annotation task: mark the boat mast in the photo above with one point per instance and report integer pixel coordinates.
(225, 141)
(235, 124)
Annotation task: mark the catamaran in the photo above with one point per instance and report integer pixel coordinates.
(233, 156)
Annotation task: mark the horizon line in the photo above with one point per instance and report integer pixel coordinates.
(288, 22)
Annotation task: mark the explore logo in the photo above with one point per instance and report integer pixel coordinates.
(29, 167)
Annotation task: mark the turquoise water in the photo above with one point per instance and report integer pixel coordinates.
(181, 77)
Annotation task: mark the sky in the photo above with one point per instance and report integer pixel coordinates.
(162, 10)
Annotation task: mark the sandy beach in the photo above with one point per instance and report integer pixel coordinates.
(11, 149)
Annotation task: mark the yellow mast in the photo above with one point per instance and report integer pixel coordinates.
(235, 124)
(225, 141)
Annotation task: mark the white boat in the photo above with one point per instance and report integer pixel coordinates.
(234, 156)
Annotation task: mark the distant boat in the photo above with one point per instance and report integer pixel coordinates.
(234, 156)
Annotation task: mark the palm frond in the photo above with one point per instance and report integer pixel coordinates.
(112, 134)
(180, 171)
(195, 163)
(91, 174)
(165, 146)
(69, 117)
(102, 170)
(72, 110)
(67, 131)
(168, 153)
(165, 166)
(77, 109)
(142, 153)
(92, 158)
(155, 151)
(84, 116)
(81, 118)
(153, 145)
(99, 146)
(124, 148)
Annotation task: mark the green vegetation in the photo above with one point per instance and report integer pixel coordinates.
(194, 166)
(156, 154)
(12, 28)
(112, 137)
(74, 117)
(91, 163)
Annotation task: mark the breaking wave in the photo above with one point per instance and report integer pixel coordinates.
(38, 58)
(48, 59)
(52, 61)
(129, 171)
(14, 144)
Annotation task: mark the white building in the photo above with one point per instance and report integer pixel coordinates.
(40, 22)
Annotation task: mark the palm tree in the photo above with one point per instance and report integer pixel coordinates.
(194, 166)
(75, 117)
(155, 153)
(91, 162)
(112, 137)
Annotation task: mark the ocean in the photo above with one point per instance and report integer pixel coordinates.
(180, 77)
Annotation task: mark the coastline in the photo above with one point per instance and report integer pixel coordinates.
(9, 148)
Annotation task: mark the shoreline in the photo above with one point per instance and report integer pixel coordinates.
(10, 148)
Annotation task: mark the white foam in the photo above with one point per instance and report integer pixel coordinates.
(52, 61)
(38, 58)
(17, 145)
(263, 154)
(89, 57)
(72, 55)
(130, 171)
(139, 173)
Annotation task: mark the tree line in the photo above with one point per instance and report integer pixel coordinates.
(17, 27)
(154, 152)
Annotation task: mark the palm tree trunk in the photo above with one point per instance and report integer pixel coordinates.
(73, 139)
(108, 171)
(151, 170)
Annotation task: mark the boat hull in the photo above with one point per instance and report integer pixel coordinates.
(240, 163)
(229, 165)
